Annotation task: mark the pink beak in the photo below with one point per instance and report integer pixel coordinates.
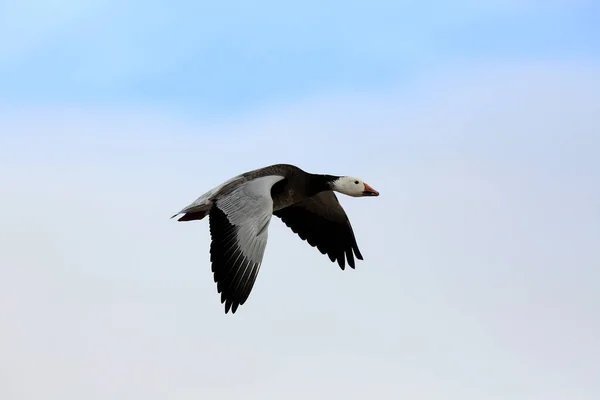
(369, 191)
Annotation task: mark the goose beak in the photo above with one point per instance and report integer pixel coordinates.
(369, 191)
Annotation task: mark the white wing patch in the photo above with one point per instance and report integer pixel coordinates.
(249, 207)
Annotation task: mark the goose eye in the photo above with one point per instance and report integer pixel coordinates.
(356, 182)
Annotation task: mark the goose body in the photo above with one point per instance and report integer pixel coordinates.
(240, 211)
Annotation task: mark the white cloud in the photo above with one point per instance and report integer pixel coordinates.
(480, 276)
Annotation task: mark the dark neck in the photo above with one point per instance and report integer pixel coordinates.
(319, 183)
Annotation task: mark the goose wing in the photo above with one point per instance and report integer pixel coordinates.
(323, 223)
(239, 224)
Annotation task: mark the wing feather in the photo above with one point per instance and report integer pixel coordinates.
(323, 223)
(239, 230)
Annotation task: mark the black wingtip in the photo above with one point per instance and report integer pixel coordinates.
(357, 252)
(350, 259)
(341, 262)
(231, 307)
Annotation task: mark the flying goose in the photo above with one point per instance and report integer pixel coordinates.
(240, 210)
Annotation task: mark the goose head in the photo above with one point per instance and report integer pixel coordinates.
(352, 186)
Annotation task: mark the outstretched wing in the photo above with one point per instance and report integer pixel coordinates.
(239, 225)
(323, 223)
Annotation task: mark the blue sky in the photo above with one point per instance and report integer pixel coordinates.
(222, 57)
(476, 121)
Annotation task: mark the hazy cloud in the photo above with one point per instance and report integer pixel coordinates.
(480, 278)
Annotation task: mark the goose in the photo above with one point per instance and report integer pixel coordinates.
(240, 211)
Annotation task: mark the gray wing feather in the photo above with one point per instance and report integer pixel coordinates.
(249, 207)
(204, 202)
(239, 229)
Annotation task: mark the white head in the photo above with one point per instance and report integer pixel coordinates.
(352, 186)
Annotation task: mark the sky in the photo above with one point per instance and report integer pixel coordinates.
(477, 122)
